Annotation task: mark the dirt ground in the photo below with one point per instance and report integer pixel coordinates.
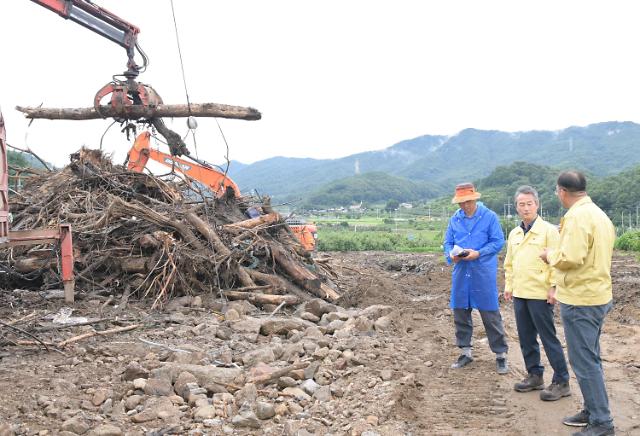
(389, 380)
(476, 400)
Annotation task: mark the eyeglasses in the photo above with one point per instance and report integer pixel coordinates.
(557, 189)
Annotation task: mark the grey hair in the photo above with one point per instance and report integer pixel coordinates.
(526, 189)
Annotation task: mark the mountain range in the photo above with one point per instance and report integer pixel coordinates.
(436, 162)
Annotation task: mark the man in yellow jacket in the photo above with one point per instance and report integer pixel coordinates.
(582, 264)
(529, 283)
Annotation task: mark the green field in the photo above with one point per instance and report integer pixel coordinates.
(390, 232)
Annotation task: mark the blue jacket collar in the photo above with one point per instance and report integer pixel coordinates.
(480, 210)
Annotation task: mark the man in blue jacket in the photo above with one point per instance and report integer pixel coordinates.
(472, 242)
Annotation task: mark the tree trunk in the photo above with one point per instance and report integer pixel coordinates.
(303, 276)
(138, 112)
(269, 218)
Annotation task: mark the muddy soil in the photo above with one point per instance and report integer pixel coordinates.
(476, 400)
(387, 374)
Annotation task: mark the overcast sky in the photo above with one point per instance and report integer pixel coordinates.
(331, 78)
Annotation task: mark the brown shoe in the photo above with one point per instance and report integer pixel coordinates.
(555, 391)
(533, 382)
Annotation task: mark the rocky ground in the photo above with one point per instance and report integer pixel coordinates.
(379, 365)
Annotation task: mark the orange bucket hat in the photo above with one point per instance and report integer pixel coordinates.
(465, 192)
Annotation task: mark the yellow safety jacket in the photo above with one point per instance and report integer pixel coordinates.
(525, 274)
(583, 258)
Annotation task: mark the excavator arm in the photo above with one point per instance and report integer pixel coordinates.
(216, 181)
(102, 22)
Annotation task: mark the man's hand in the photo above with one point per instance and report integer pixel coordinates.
(455, 259)
(544, 255)
(551, 295)
(508, 296)
(473, 254)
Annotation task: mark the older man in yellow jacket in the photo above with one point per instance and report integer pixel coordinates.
(582, 263)
(529, 283)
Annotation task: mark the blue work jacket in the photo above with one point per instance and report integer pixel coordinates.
(473, 283)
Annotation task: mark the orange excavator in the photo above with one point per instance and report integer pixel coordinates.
(200, 172)
(306, 233)
(196, 170)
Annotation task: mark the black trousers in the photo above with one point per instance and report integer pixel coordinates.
(535, 318)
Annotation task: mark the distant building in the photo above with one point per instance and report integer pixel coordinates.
(355, 207)
(405, 206)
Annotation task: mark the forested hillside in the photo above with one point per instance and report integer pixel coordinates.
(601, 149)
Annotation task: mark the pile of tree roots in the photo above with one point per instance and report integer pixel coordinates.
(141, 235)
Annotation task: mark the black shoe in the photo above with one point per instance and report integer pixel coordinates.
(580, 419)
(533, 382)
(596, 430)
(462, 361)
(502, 367)
(555, 391)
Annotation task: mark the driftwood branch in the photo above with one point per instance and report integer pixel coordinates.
(140, 112)
(261, 298)
(31, 152)
(19, 330)
(97, 333)
(267, 219)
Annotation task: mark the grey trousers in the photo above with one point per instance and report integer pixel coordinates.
(582, 329)
(492, 321)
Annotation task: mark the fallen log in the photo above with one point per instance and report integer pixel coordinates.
(303, 276)
(251, 223)
(96, 333)
(139, 112)
(251, 297)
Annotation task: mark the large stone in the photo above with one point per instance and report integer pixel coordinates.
(144, 416)
(334, 325)
(309, 386)
(265, 410)
(308, 316)
(264, 355)
(292, 352)
(133, 371)
(133, 401)
(318, 307)
(195, 357)
(246, 419)
(205, 374)
(247, 395)
(205, 412)
(223, 333)
(243, 307)
(283, 326)
(100, 396)
(296, 393)
(286, 382)
(180, 386)
(77, 425)
(247, 325)
(159, 387)
(231, 315)
(382, 324)
(106, 430)
(311, 370)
